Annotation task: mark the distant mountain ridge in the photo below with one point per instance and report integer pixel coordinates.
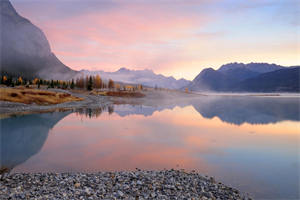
(25, 50)
(252, 77)
(145, 77)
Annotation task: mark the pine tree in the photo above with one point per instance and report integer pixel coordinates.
(52, 84)
(90, 83)
(72, 84)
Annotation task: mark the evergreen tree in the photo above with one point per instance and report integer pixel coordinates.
(90, 84)
(72, 84)
(52, 84)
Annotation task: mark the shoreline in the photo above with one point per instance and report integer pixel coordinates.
(151, 98)
(139, 184)
(89, 101)
(93, 101)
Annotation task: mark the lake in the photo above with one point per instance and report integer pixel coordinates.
(250, 143)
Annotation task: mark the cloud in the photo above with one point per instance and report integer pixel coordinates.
(172, 37)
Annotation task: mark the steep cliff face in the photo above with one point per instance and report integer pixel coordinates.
(25, 49)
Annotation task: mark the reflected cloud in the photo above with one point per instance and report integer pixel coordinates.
(189, 136)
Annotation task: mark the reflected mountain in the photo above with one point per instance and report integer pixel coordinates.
(230, 109)
(126, 110)
(24, 136)
(252, 110)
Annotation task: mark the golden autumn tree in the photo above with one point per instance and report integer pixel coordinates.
(111, 84)
(118, 86)
(80, 82)
(97, 82)
(20, 81)
(140, 87)
(4, 79)
(35, 81)
(129, 87)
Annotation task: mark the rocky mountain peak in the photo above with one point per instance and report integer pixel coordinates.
(25, 49)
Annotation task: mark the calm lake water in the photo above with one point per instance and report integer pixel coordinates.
(251, 143)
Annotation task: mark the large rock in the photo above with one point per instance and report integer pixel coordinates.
(25, 50)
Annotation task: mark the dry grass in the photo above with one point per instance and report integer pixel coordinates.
(39, 97)
(129, 94)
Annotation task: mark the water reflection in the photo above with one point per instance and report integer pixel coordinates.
(24, 136)
(252, 110)
(95, 112)
(251, 143)
(234, 110)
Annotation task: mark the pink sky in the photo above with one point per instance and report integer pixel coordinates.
(170, 37)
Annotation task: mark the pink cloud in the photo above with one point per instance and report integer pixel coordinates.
(133, 35)
(166, 36)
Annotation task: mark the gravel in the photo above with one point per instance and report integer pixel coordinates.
(166, 184)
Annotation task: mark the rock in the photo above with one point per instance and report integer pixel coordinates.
(167, 184)
(120, 193)
(27, 48)
(77, 185)
(139, 182)
(153, 195)
(87, 191)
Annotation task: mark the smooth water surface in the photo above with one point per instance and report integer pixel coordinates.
(251, 143)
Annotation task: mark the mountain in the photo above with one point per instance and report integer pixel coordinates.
(145, 77)
(25, 50)
(280, 80)
(210, 79)
(254, 67)
(254, 77)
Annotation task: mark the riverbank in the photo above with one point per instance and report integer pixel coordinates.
(97, 99)
(39, 97)
(8, 108)
(94, 100)
(166, 184)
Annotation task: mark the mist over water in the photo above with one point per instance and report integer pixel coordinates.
(251, 143)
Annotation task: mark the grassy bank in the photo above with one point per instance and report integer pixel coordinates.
(40, 97)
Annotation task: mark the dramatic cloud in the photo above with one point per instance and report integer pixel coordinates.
(177, 38)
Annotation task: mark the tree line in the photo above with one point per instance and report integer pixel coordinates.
(88, 83)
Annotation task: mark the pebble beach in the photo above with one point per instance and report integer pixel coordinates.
(139, 184)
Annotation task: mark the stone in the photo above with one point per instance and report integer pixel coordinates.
(77, 185)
